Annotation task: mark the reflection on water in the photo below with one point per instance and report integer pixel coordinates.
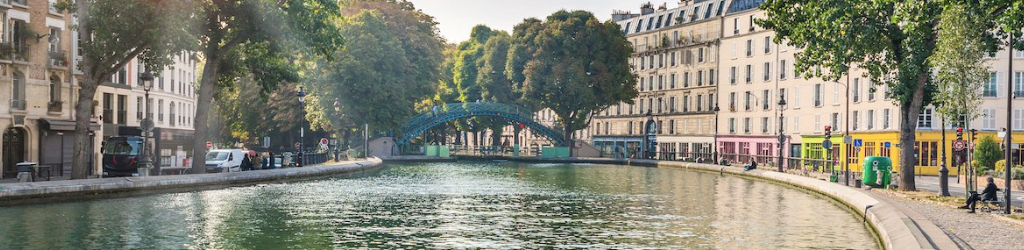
(456, 205)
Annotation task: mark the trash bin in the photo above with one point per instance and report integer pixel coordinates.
(877, 171)
(25, 171)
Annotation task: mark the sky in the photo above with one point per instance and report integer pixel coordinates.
(456, 18)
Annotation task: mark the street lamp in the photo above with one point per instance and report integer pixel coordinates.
(147, 126)
(302, 124)
(337, 145)
(715, 147)
(782, 137)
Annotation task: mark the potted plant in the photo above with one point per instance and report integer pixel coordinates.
(55, 106)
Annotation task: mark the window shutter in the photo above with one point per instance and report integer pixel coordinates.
(1000, 85)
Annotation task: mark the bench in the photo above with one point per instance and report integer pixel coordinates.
(991, 205)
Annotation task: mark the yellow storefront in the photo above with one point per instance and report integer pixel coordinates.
(929, 145)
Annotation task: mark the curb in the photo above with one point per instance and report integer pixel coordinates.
(60, 191)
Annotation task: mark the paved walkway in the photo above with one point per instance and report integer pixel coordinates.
(931, 184)
(969, 231)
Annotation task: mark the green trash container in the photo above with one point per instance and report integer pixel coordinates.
(877, 171)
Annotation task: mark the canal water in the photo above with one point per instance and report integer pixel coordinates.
(456, 206)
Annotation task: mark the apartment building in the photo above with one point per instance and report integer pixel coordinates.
(171, 105)
(36, 114)
(676, 57)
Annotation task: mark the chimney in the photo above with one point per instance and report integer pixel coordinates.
(646, 8)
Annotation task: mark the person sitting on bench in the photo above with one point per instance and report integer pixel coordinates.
(989, 195)
(751, 166)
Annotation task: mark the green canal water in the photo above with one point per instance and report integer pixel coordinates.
(463, 205)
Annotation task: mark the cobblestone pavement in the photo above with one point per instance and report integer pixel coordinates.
(971, 231)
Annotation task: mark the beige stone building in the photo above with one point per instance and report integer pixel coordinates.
(36, 113)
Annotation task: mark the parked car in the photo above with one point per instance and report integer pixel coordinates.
(224, 160)
(121, 155)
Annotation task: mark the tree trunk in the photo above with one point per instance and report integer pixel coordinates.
(83, 106)
(83, 116)
(908, 139)
(207, 86)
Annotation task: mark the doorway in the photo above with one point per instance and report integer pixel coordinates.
(13, 150)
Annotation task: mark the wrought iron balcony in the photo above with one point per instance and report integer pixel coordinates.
(58, 59)
(55, 106)
(18, 104)
(10, 51)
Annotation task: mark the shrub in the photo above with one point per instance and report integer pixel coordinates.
(986, 153)
(1000, 166)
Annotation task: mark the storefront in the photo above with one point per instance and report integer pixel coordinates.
(743, 149)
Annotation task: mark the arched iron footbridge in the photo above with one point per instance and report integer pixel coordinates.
(452, 111)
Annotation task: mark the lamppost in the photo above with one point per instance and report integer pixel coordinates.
(782, 137)
(302, 124)
(147, 126)
(337, 144)
(715, 159)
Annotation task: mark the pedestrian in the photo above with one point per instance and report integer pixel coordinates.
(246, 163)
(751, 166)
(271, 161)
(989, 195)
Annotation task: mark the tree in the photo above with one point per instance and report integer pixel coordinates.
(959, 62)
(495, 85)
(233, 27)
(391, 63)
(572, 64)
(120, 31)
(891, 39)
(986, 154)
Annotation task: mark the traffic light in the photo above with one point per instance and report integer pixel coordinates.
(959, 134)
(828, 133)
(974, 135)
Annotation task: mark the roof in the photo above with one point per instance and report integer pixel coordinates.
(698, 11)
(744, 5)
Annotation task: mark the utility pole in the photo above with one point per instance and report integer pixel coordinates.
(846, 136)
(1009, 125)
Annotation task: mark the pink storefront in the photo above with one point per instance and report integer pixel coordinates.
(739, 150)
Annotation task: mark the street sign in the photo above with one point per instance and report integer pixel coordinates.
(858, 143)
(266, 141)
(887, 145)
(323, 141)
(959, 145)
(847, 139)
(209, 145)
(826, 144)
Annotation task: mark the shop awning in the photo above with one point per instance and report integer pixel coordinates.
(65, 125)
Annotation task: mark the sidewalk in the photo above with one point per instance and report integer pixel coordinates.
(66, 190)
(931, 184)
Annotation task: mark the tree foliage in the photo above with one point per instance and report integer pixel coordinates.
(261, 38)
(959, 61)
(391, 63)
(118, 32)
(986, 153)
(572, 64)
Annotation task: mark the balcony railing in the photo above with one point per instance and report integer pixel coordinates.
(58, 59)
(10, 51)
(55, 106)
(18, 104)
(21, 2)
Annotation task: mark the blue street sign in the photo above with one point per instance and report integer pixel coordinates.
(826, 144)
(858, 143)
(887, 145)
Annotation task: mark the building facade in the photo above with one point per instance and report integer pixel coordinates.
(37, 88)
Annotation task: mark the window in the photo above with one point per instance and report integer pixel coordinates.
(782, 70)
(735, 26)
(160, 110)
(871, 119)
(836, 119)
(835, 93)
(122, 109)
(732, 125)
(642, 62)
(712, 103)
(672, 81)
(794, 101)
(686, 79)
(54, 46)
(746, 125)
(817, 95)
(672, 58)
(700, 103)
(661, 82)
(988, 119)
(173, 116)
(54, 88)
(660, 110)
(751, 17)
(18, 94)
(750, 72)
(796, 124)
(108, 108)
(990, 88)
(856, 90)
(650, 83)
(885, 118)
(711, 77)
(700, 55)
(672, 104)
(924, 119)
(871, 92)
(642, 83)
(732, 75)
(732, 101)
(1018, 84)
(764, 125)
(746, 101)
(700, 78)
(856, 120)
(767, 71)
(765, 100)
(672, 127)
(767, 44)
(750, 47)
(686, 103)
(1018, 54)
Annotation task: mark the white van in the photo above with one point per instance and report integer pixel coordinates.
(224, 160)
